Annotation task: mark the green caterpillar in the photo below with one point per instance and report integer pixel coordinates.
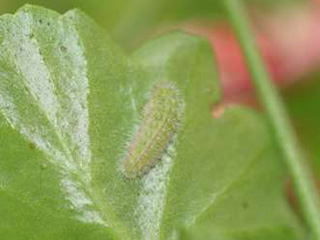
(159, 125)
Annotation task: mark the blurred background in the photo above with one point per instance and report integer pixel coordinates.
(287, 33)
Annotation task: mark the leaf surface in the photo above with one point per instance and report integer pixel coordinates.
(228, 175)
(71, 104)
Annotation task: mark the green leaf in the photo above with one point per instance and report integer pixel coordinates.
(222, 164)
(32, 203)
(45, 168)
(303, 104)
(72, 109)
(241, 211)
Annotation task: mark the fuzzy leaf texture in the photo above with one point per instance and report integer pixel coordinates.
(75, 110)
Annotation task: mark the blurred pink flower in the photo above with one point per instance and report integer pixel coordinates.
(288, 39)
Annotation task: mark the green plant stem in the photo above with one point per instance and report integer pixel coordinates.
(275, 109)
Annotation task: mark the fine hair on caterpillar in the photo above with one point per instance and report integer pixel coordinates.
(159, 124)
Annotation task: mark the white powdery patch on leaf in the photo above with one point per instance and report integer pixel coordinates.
(153, 196)
(31, 66)
(56, 118)
(75, 90)
(80, 201)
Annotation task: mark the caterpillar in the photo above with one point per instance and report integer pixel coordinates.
(159, 124)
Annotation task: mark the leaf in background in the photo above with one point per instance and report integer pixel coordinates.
(71, 103)
(131, 21)
(242, 210)
(303, 101)
(227, 174)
